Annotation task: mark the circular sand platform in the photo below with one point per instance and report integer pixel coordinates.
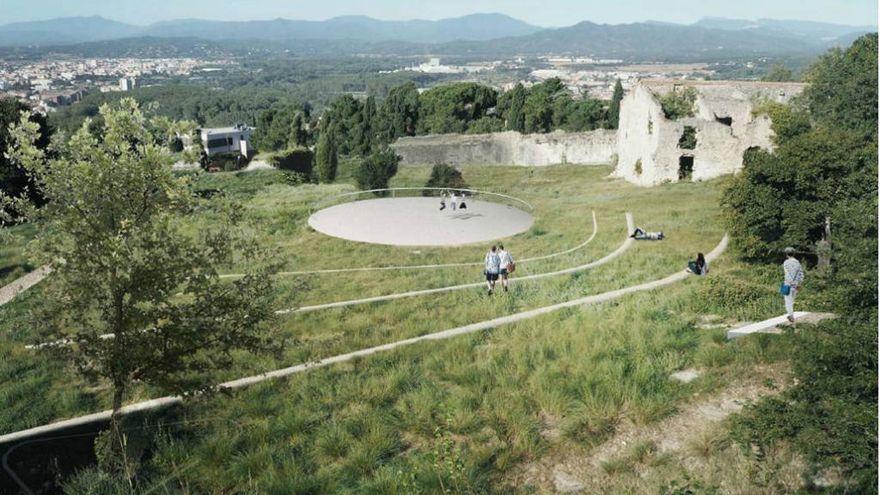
(417, 221)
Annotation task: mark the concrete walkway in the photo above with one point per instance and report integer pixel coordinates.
(772, 325)
(445, 334)
(627, 243)
(424, 267)
(23, 283)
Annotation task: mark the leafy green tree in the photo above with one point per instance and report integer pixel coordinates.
(326, 158)
(818, 189)
(281, 126)
(346, 115)
(485, 125)
(510, 105)
(444, 176)
(614, 107)
(377, 169)
(539, 105)
(364, 134)
(778, 73)
(677, 104)
(400, 113)
(787, 120)
(298, 133)
(450, 108)
(14, 180)
(842, 87)
(125, 263)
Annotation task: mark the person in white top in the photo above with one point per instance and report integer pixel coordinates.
(793, 278)
(493, 266)
(506, 265)
(453, 201)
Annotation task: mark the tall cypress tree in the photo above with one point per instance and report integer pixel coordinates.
(614, 108)
(326, 158)
(516, 119)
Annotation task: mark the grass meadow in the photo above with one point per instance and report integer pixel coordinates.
(457, 416)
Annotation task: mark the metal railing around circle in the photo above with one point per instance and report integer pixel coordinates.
(436, 192)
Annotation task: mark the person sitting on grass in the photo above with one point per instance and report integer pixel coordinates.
(493, 266)
(700, 266)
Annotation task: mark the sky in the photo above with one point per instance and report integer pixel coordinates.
(547, 13)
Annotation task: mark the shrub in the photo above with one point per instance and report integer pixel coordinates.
(444, 176)
(678, 104)
(830, 414)
(688, 140)
(377, 169)
(294, 160)
(485, 125)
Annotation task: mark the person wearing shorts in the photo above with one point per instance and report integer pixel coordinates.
(506, 260)
(493, 267)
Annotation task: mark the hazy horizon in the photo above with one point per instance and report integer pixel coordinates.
(558, 12)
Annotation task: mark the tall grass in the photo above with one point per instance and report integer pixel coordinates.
(453, 416)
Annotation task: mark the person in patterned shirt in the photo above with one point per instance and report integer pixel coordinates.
(794, 277)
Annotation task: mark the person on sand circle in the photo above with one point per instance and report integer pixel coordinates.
(793, 278)
(493, 266)
(453, 201)
(506, 264)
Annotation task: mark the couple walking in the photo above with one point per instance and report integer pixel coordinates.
(499, 263)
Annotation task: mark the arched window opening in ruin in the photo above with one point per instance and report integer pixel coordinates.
(688, 139)
(728, 121)
(686, 167)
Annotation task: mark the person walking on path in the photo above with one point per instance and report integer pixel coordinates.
(794, 277)
(493, 266)
(506, 264)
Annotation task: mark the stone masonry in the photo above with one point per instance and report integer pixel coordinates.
(646, 150)
(509, 148)
(648, 144)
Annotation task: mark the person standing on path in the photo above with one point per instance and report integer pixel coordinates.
(453, 201)
(506, 265)
(794, 277)
(493, 266)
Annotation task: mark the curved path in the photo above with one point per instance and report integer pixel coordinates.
(23, 283)
(300, 368)
(422, 267)
(627, 243)
(401, 295)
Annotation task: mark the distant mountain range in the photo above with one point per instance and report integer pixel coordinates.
(471, 35)
(475, 27)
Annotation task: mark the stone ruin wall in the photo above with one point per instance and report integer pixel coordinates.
(645, 150)
(509, 148)
(648, 143)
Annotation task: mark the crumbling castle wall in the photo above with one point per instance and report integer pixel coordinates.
(509, 148)
(648, 144)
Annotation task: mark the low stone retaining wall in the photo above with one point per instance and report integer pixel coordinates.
(509, 148)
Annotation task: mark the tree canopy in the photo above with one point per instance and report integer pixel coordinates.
(125, 265)
(817, 191)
